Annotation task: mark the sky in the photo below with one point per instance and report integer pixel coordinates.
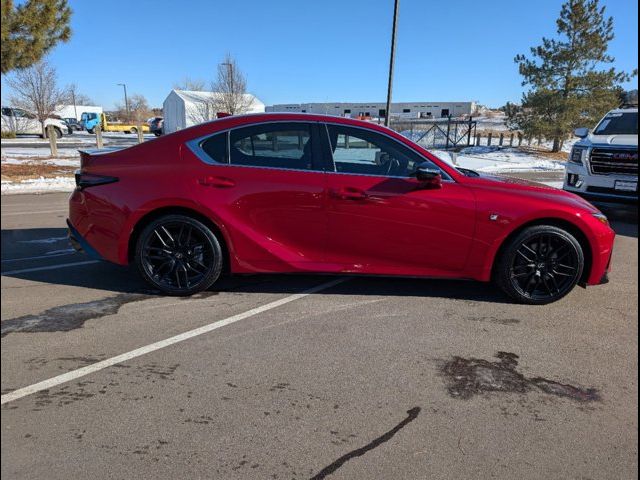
(294, 51)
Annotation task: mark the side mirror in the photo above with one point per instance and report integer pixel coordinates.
(581, 132)
(428, 176)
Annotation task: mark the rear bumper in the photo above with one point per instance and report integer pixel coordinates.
(80, 244)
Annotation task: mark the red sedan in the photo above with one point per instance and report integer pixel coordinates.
(300, 193)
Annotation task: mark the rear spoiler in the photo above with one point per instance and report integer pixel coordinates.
(88, 153)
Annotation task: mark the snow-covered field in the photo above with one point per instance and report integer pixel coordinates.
(39, 185)
(499, 160)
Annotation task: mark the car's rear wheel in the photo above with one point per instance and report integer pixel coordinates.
(540, 265)
(179, 255)
(133, 130)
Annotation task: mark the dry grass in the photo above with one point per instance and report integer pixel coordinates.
(545, 152)
(26, 171)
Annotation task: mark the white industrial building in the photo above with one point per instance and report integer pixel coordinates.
(185, 108)
(76, 111)
(377, 109)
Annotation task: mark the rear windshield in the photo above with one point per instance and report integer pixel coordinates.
(618, 124)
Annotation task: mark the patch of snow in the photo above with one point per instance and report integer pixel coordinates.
(60, 162)
(39, 185)
(496, 160)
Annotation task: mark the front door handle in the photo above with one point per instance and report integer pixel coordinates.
(349, 193)
(216, 182)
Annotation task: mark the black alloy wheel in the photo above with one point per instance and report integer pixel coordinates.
(541, 265)
(179, 255)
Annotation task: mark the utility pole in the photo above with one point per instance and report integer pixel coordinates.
(387, 113)
(126, 101)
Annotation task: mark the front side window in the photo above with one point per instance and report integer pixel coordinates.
(364, 152)
(276, 145)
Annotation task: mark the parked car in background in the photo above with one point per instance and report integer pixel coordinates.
(23, 122)
(73, 124)
(603, 164)
(155, 126)
(300, 193)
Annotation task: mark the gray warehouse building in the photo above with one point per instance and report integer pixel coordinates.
(377, 109)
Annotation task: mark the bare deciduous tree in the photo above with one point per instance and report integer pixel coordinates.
(35, 89)
(231, 88)
(73, 97)
(138, 110)
(190, 84)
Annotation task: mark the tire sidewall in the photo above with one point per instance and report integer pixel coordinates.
(503, 271)
(207, 281)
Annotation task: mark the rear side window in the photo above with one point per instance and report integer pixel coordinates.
(276, 145)
(216, 147)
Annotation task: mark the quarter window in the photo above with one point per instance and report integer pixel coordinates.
(216, 147)
(363, 152)
(279, 145)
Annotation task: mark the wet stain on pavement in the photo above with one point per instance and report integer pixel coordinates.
(473, 376)
(69, 317)
(412, 414)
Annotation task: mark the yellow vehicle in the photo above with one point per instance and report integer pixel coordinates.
(90, 120)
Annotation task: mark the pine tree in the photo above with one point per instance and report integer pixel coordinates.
(31, 29)
(571, 84)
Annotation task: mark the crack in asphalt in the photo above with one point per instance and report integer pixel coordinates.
(412, 414)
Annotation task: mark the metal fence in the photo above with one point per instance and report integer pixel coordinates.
(438, 133)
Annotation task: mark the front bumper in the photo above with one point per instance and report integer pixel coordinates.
(597, 188)
(80, 244)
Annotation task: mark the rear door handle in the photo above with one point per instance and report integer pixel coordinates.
(349, 193)
(216, 182)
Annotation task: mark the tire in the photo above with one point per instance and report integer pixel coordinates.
(91, 131)
(178, 255)
(56, 130)
(133, 130)
(540, 265)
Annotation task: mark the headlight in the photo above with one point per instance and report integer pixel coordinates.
(577, 154)
(601, 217)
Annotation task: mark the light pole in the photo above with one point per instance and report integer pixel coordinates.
(387, 113)
(126, 100)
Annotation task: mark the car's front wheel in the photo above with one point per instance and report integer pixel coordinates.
(540, 265)
(179, 255)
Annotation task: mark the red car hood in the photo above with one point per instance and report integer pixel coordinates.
(525, 187)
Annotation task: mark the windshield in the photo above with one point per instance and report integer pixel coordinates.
(618, 124)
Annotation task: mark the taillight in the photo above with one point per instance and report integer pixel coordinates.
(84, 180)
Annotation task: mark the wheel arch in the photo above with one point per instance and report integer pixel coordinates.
(177, 210)
(570, 227)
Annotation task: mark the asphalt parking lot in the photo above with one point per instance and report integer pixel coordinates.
(306, 376)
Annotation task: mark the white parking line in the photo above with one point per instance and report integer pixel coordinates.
(81, 372)
(38, 257)
(49, 267)
(31, 212)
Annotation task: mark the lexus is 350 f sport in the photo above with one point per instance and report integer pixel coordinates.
(299, 193)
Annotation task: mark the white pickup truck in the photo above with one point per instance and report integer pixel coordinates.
(603, 164)
(22, 122)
